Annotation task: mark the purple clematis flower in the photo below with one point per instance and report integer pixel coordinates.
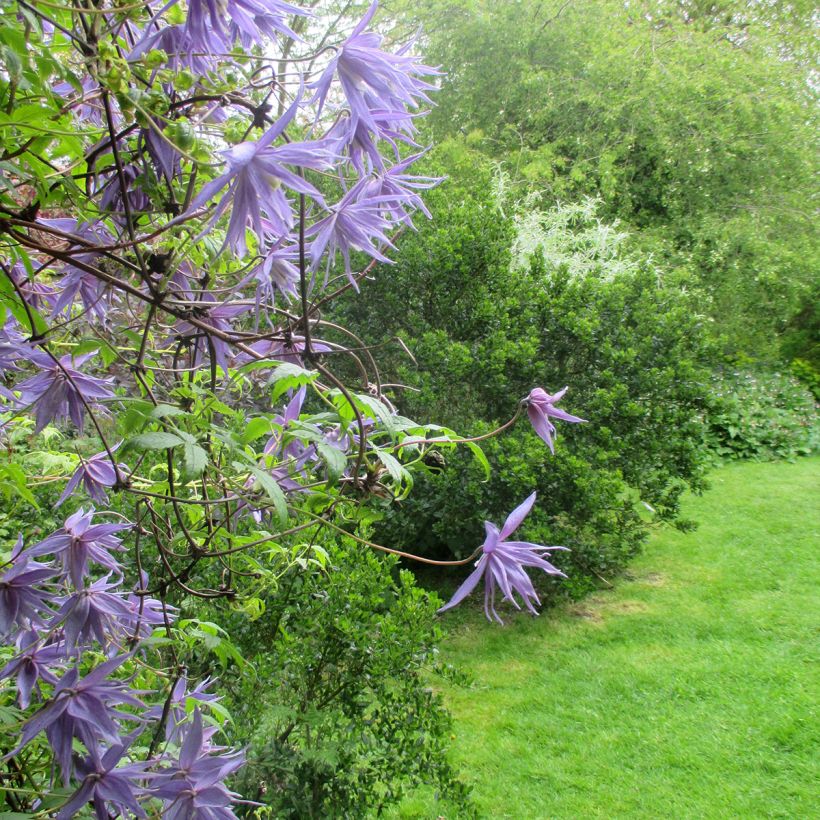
(96, 473)
(34, 662)
(540, 406)
(80, 541)
(193, 787)
(87, 107)
(22, 601)
(35, 292)
(356, 222)
(224, 22)
(105, 784)
(113, 199)
(178, 718)
(254, 179)
(12, 346)
(502, 564)
(81, 708)
(374, 81)
(290, 351)
(58, 390)
(360, 142)
(397, 191)
(95, 612)
(95, 295)
(276, 273)
(177, 44)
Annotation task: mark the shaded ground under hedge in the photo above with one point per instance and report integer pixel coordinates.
(689, 690)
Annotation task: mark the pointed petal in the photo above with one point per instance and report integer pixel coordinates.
(515, 518)
(468, 586)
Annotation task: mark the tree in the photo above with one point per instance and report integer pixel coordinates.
(695, 123)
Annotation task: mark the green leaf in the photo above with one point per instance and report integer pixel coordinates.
(479, 456)
(335, 460)
(271, 488)
(379, 411)
(194, 459)
(393, 466)
(287, 376)
(154, 441)
(255, 428)
(164, 411)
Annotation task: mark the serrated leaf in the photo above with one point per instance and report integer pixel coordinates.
(259, 426)
(379, 411)
(164, 411)
(393, 466)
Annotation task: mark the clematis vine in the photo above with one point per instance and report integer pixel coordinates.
(140, 319)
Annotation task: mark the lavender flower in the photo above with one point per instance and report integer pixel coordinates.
(80, 541)
(360, 142)
(540, 406)
(289, 351)
(95, 612)
(374, 80)
(105, 784)
(96, 473)
(193, 787)
(34, 662)
(81, 708)
(146, 614)
(397, 190)
(12, 346)
(178, 717)
(248, 21)
(22, 602)
(58, 390)
(113, 198)
(176, 42)
(87, 107)
(502, 564)
(355, 223)
(276, 273)
(254, 179)
(94, 294)
(36, 293)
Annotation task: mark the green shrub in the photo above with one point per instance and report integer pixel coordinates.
(486, 326)
(760, 415)
(340, 715)
(805, 372)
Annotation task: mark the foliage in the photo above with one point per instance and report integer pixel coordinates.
(186, 190)
(760, 415)
(697, 668)
(349, 722)
(694, 123)
(631, 346)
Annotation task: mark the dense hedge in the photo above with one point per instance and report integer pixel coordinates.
(483, 332)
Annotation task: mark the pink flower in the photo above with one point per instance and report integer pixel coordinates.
(540, 407)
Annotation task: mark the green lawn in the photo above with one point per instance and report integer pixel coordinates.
(688, 691)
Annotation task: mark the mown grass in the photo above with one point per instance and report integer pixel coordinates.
(688, 691)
